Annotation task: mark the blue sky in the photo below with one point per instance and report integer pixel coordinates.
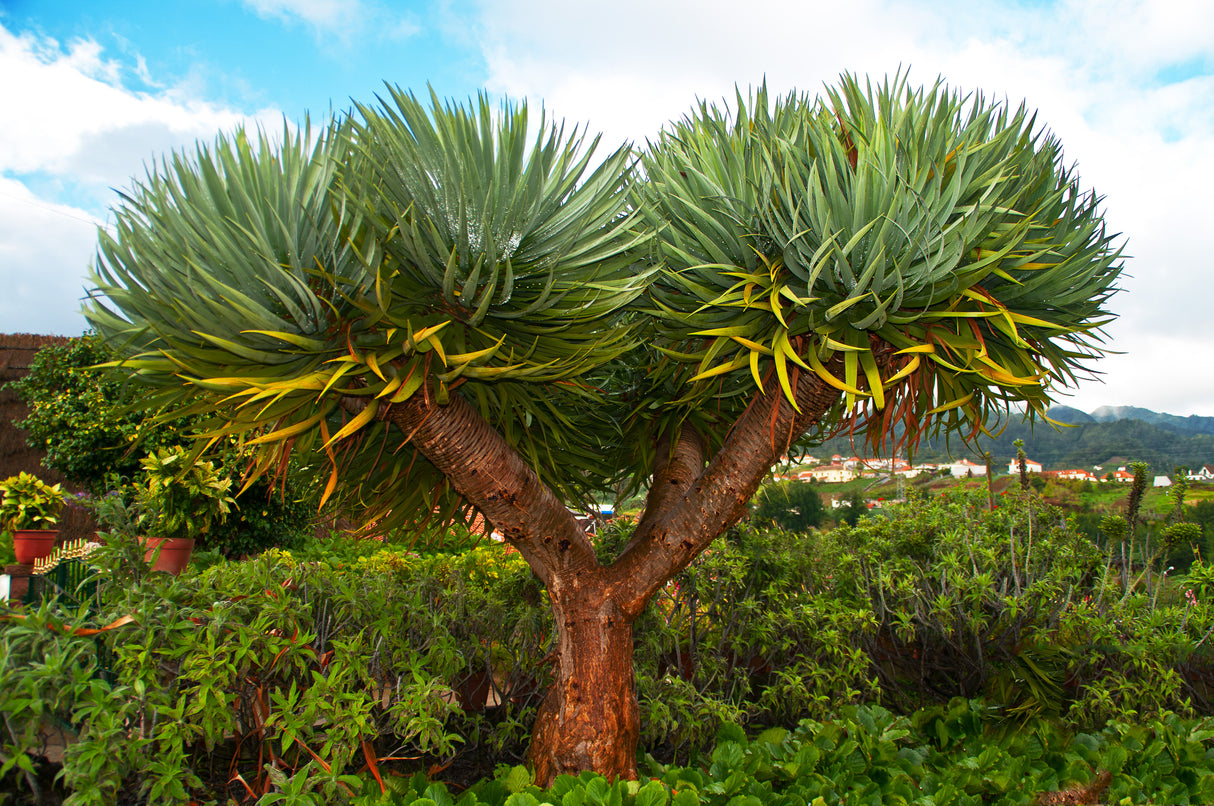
(93, 92)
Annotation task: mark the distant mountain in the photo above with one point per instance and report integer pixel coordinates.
(1108, 437)
(1066, 414)
(1181, 425)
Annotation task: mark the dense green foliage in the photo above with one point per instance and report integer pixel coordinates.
(27, 502)
(81, 415)
(792, 505)
(180, 497)
(78, 415)
(294, 669)
(271, 658)
(945, 755)
(922, 252)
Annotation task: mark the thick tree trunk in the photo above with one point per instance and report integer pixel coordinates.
(589, 718)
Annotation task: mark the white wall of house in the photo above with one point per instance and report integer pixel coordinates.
(964, 468)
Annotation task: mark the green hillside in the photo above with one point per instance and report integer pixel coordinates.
(1080, 445)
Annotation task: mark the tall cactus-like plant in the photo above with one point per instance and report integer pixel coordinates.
(449, 310)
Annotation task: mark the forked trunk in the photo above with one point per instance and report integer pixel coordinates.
(589, 718)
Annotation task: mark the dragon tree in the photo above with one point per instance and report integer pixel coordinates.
(450, 310)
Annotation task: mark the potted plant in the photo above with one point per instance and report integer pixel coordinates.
(29, 507)
(179, 500)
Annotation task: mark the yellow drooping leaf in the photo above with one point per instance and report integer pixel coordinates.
(373, 363)
(820, 370)
(754, 369)
(426, 332)
(753, 346)
(721, 369)
(905, 371)
(873, 375)
(332, 483)
(391, 386)
(782, 374)
(437, 344)
(289, 431)
(467, 358)
(358, 421)
(959, 402)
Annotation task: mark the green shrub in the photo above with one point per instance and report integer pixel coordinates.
(792, 505)
(305, 666)
(78, 415)
(750, 632)
(867, 755)
(295, 668)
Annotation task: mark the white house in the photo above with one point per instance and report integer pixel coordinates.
(832, 473)
(1029, 466)
(964, 469)
(1075, 475)
(1204, 473)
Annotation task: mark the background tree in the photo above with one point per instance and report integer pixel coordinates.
(78, 415)
(454, 319)
(81, 415)
(793, 505)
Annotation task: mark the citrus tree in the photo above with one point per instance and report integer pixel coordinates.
(451, 313)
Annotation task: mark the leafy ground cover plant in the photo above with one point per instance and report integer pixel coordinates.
(868, 755)
(237, 680)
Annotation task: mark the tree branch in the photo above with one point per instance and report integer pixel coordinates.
(494, 478)
(678, 467)
(666, 543)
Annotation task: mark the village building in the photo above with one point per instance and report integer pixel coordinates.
(1075, 475)
(1029, 465)
(832, 473)
(964, 468)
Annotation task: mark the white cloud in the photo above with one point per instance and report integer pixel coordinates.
(44, 255)
(74, 129)
(1158, 372)
(320, 13)
(347, 23)
(70, 115)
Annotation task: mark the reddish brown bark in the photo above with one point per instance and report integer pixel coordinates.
(589, 717)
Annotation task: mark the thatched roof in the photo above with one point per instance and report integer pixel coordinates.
(17, 352)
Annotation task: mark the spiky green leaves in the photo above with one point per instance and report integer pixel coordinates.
(409, 251)
(924, 254)
(934, 241)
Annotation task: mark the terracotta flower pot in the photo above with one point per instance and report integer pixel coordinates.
(174, 553)
(474, 691)
(33, 544)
